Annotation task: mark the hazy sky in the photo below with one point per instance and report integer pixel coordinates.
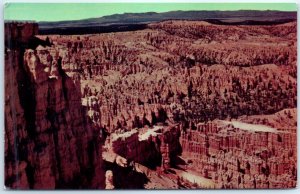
(73, 11)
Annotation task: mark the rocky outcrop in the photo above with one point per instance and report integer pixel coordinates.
(240, 155)
(153, 147)
(49, 142)
(109, 180)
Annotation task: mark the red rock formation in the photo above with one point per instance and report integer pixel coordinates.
(49, 143)
(185, 72)
(152, 147)
(241, 158)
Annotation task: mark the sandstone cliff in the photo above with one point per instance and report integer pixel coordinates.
(49, 142)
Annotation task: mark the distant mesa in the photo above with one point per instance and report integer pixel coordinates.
(138, 21)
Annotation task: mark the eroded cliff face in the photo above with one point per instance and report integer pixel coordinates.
(49, 142)
(236, 154)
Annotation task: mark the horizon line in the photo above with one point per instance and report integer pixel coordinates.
(55, 12)
(36, 21)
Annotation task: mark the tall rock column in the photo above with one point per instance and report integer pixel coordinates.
(49, 142)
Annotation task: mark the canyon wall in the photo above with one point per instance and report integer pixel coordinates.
(242, 157)
(49, 142)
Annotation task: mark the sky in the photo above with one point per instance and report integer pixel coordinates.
(77, 11)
